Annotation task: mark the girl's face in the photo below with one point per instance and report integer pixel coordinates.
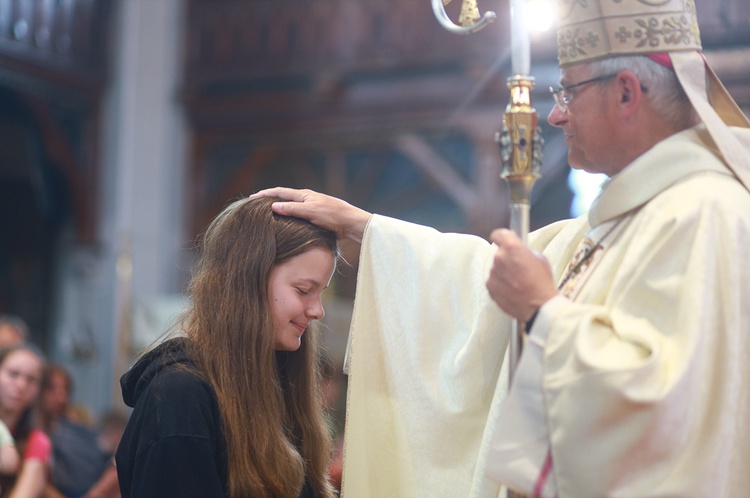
(20, 376)
(294, 290)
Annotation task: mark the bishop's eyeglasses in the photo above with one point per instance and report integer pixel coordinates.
(562, 94)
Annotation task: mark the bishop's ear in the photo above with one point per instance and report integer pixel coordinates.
(630, 91)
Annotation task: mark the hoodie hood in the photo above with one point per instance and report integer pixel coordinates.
(137, 379)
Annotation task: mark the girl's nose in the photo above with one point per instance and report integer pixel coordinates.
(315, 310)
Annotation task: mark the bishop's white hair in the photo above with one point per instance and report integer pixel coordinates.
(663, 90)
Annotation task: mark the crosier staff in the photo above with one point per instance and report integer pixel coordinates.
(521, 147)
(520, 140)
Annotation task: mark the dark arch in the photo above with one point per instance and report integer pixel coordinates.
(35, 203)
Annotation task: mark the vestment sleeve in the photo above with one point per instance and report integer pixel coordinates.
(426, 359)
(428, 370)
(519, 450)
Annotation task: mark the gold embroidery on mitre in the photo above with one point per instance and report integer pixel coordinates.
(594, 29)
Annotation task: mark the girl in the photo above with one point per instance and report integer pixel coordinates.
(234, 407)
(21, 369)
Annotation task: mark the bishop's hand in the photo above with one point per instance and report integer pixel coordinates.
(331, 213)
(520, 280)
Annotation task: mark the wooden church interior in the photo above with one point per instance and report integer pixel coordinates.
(371, 101)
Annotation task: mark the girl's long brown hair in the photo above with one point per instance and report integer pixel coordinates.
(270, 400)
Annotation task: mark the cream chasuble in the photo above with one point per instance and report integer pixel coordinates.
(633, 384)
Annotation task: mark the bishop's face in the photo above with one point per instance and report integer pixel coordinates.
(587, 120)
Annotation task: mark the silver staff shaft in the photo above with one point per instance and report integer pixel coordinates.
(519, 224)
(521, 154)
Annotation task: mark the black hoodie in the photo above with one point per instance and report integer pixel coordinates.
(173, 445)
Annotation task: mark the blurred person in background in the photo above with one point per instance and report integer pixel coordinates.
(111, 429)
(13, 330)
(81, 454)
(21, 370)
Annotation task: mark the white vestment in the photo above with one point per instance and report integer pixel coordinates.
(633, 384)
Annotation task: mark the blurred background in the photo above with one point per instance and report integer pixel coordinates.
(126, 125)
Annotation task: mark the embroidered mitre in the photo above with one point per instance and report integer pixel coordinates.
(593, 29)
